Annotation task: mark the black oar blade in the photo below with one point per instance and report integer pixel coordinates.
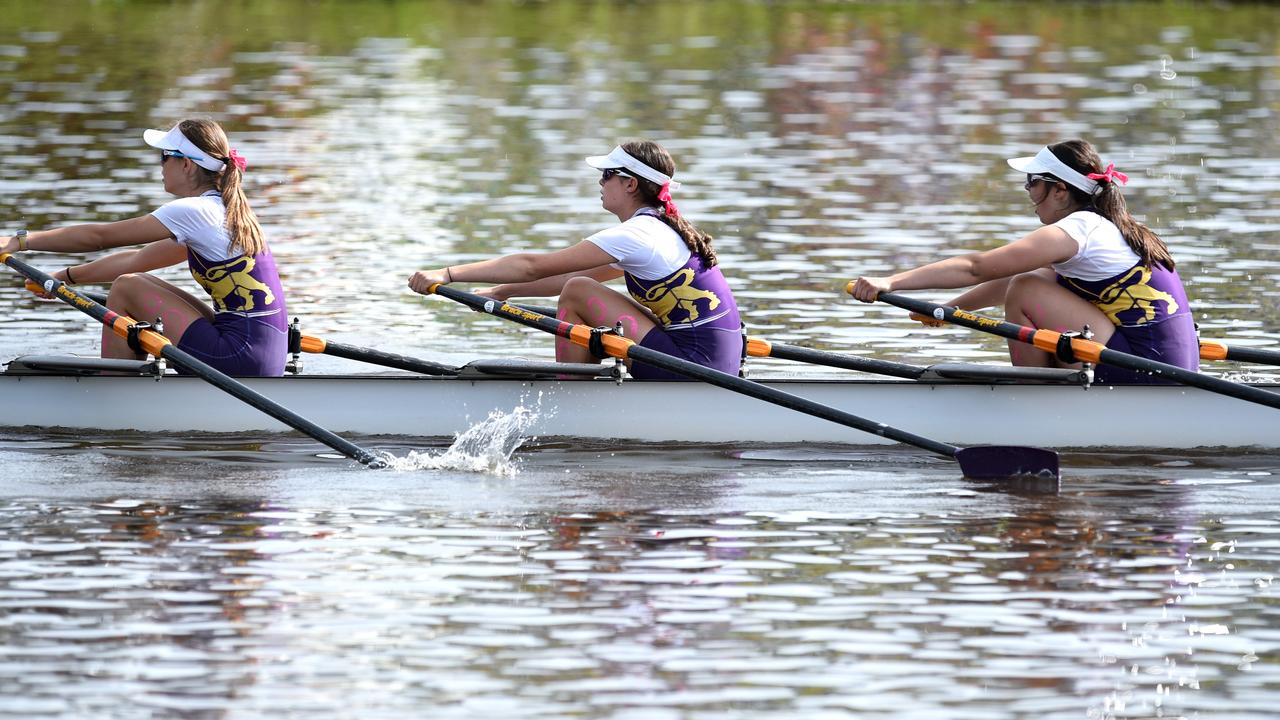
(996, 462)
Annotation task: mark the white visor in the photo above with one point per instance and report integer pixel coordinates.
(619, 159)
(176, 141)
(1046, 162)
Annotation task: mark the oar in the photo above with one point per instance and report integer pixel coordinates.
(1214, 350)
(759, 347)
(316, 345)
(375, 357)
(159, 346)
(1080, 349)
(983, 462)
(1209, 349)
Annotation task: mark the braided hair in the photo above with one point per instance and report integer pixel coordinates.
(656, 157)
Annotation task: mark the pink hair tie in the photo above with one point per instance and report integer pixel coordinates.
(238, 160)
(665, 197)
(1111, 174)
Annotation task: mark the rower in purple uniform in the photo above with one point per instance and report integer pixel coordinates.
(1092, 263)
(679, 302)
(213, 229)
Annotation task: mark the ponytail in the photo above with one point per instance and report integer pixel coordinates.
(242, 223)
(243, 230)
(1108, 202)
(653, 155)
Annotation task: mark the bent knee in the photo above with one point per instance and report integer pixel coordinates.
(128, 284)
(578, 287)
(1025, 286)
(1028, 282)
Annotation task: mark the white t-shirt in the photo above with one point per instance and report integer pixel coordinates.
(644, 246)
(1103, 251)
(200, 224)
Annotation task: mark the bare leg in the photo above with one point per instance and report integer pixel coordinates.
(587, 302)
(145, 298)
(1036, 299)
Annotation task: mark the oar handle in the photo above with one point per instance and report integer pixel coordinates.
(160, 346)
(1082, 349)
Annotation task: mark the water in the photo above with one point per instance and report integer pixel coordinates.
(234, 576)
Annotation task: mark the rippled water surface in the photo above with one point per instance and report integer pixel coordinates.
(231, 576)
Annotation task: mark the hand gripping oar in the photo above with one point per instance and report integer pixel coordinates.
(1209, 349)
(309, 344)
(159, 345)
(982, 462)
(1079, 349)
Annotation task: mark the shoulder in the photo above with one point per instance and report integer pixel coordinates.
(641, 230)
(201, 206)
(1085, 221)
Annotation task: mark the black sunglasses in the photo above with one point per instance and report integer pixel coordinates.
(1033, 179)
(610, 172)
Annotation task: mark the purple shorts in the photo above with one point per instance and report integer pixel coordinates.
(716, 348)
(238, 346)
(1173, 341)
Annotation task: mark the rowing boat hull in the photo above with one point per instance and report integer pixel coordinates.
(961, 413)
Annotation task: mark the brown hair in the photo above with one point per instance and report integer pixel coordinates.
(656, 157)
(1109, 203)
(242, 224)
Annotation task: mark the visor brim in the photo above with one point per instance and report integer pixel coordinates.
(1028, 165)
(602, 162)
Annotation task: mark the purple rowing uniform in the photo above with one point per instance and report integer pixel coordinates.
(1149, 308)
(250, 330)
(249, 333)
(699, 317)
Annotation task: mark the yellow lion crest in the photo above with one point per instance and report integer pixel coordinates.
(677, 295)
(1121, 296)
(233, 278)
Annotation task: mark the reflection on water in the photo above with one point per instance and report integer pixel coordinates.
(1122, 598)
(236, 576)
(650, 582)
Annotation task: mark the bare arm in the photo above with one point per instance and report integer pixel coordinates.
(1038, 249)
(518, 268)
(106, 269)
(94, 236)
(988, 294)
(549, 287)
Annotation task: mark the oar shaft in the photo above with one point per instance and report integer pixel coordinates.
(252, 397)
(624, 348)
(375, 357)
(1213, 350)
(159, 345)
(759, 347)
(1082, 349)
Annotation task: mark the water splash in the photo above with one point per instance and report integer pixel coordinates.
(1251, 376)
(486, 447)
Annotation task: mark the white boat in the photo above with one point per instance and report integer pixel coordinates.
(958, 411)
